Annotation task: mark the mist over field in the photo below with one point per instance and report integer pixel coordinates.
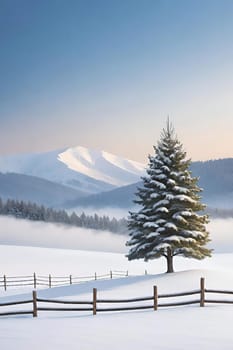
(221, 234)
(38, 234)
(117, 213)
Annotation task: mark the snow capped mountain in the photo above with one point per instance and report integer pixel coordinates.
(102, 166)
(79, 167)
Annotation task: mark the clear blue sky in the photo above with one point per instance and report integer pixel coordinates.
(106, 73)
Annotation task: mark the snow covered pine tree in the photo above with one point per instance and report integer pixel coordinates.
(169, 222)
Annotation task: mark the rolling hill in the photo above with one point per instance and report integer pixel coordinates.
(34, 189)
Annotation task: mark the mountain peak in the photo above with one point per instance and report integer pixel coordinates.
(78, 167)
(102, 166)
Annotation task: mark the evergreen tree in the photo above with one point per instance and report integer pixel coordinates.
(169, 222)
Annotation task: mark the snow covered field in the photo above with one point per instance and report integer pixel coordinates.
(189, 327)
(175, 328)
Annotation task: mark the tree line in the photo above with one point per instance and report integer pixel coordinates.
(35, 212)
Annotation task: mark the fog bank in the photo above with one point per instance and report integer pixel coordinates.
(39, 234)
(49, 235)
(221, 235)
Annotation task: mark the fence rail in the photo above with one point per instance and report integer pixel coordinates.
(50, 281)
(95, 302)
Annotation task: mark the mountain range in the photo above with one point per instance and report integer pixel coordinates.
(90, 171)
(215, 178)
(80, 177)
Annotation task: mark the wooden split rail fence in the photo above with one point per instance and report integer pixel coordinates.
(54, 281)
(40, 304)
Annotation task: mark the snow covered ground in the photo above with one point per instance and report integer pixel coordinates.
(188, 327)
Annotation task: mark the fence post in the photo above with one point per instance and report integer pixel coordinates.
(50, 281)
(34, 299)
(94, 300)
(95, 276)
(4, 279)
(70, 279)
(155, 298)
(127, 273)
(145, 272)
(34, 280)
(111, 274)
(202, 292)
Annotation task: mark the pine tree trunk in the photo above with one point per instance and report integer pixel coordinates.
(169, 261)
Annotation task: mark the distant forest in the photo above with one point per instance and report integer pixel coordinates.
(34, 212)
